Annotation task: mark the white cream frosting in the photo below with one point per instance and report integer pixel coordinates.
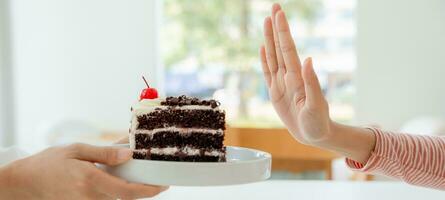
(143, 104)
(149, 102)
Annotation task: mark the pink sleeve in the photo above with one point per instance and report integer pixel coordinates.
(415, 159)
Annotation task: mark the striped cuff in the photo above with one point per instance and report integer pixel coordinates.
(374, 159)
(353, 164)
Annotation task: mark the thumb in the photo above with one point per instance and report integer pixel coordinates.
(314, 95)
(104, 155)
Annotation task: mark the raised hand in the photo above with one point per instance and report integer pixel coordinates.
(293, 88)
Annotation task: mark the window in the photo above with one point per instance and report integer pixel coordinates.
(210, 49)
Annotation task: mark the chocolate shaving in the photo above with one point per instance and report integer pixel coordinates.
(186, 101)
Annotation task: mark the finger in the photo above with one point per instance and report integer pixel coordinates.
(287, 45)
(100, 196)
(266, 71)
(314, 95)
(271, 56)
(123, 140)
(105, 155)
(119, 188)
(275, 8)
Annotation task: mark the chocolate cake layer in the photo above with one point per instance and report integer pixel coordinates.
(193, 158)
(184, 100)
(182, 118)
(174, 138)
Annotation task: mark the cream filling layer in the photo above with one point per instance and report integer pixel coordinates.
(186, 150)
(181, 131)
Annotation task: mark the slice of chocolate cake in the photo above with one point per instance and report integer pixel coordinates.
(178, 129)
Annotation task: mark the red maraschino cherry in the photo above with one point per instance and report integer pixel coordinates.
(148, 93)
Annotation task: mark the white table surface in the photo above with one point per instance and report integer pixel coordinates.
(305, 190)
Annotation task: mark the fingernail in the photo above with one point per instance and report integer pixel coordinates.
(284, 14)
(124, 154)
(308, 62)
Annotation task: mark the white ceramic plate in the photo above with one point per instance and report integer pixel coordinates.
(243, 166)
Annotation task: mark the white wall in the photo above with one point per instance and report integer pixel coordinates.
(2, 68)
(401, 60)
(82, 60)
(6, 121)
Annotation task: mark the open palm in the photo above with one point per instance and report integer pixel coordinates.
(294, 89)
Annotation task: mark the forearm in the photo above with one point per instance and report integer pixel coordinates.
(10, 188)
(4, 176)
(415, 159)
(353, 142)
(5, 183)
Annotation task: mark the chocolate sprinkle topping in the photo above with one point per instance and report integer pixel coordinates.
(186, 101)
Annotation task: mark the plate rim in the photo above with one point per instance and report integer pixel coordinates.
(261, 162)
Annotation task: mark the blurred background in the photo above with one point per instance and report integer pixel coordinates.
(71, 69)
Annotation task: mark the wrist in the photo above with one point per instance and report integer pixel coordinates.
(329, 138)
(353, 142)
